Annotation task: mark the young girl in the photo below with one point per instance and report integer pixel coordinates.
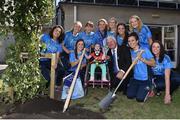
(139, 86)
(98, 60)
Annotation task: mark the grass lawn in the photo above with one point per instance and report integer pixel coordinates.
(125, 108)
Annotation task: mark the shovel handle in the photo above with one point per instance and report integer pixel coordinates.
(129, 69)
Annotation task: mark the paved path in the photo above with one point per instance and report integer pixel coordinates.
(3, 66)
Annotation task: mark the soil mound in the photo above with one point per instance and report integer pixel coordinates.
(46, 108)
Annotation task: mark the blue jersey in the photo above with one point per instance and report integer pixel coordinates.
(111, 33)
(70, 40)
(119, 40)
(89, 39)
(52, 46)
(100, 38)
(140, 69)
(159, 69)
(144, 36)
(72, 58)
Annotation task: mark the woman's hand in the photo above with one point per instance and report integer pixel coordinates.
(167, 99)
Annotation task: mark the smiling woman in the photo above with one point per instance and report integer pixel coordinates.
(139, 86)
(52, 45)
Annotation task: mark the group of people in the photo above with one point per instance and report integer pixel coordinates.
(119, 46)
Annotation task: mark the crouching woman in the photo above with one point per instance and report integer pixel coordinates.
(164, 77)
(139, 86)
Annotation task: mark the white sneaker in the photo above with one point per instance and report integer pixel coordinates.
(91, 78)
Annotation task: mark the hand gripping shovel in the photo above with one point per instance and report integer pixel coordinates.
(110, 97)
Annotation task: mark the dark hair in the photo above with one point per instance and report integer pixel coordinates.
(61, 36)
(99, 46)
(134, 34)
(125, 39)
(75, 50)
(162, 50)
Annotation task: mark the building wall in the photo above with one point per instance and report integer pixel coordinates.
(4, 43)
(93, 13)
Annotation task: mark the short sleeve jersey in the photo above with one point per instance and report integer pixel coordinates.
(140, 69)
(70, 40)
(144, 36)
(89, 39)
(159, 69)
(72, 58)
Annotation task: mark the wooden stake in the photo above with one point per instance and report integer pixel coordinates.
(52, 82)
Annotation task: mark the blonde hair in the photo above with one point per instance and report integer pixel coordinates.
(139, 23)
(89, 23)
(78, 23)
(113, 19)
(103, 20)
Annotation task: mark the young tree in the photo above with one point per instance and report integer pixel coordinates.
(24, 18)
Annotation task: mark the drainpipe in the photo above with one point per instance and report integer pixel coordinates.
(75, 13)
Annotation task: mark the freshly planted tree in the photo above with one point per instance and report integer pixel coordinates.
(24, 18)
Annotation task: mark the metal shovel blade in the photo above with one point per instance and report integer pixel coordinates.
(107, 100)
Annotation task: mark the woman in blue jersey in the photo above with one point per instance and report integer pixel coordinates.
(145, 36)
(52, 43)
(101, 33)
(121, 34)
(74, 61)
(88, 35)
(164, 78)
(75, 55)
(112, 23)
(69, 42)
(139, 86)
(71, 37)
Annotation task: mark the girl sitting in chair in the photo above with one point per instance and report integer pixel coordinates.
(98, 60)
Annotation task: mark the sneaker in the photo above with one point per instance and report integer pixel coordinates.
(91, 78)
(158, 93)
(151, 93)
(104, 79)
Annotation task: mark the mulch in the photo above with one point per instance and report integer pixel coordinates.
(46, 108)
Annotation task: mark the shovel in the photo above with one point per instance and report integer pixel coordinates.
(111, 96)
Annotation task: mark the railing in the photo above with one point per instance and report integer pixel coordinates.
(166, 4)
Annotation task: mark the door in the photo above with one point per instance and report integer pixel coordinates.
(170, 42)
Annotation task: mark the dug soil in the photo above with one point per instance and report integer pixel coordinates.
(46, 108)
